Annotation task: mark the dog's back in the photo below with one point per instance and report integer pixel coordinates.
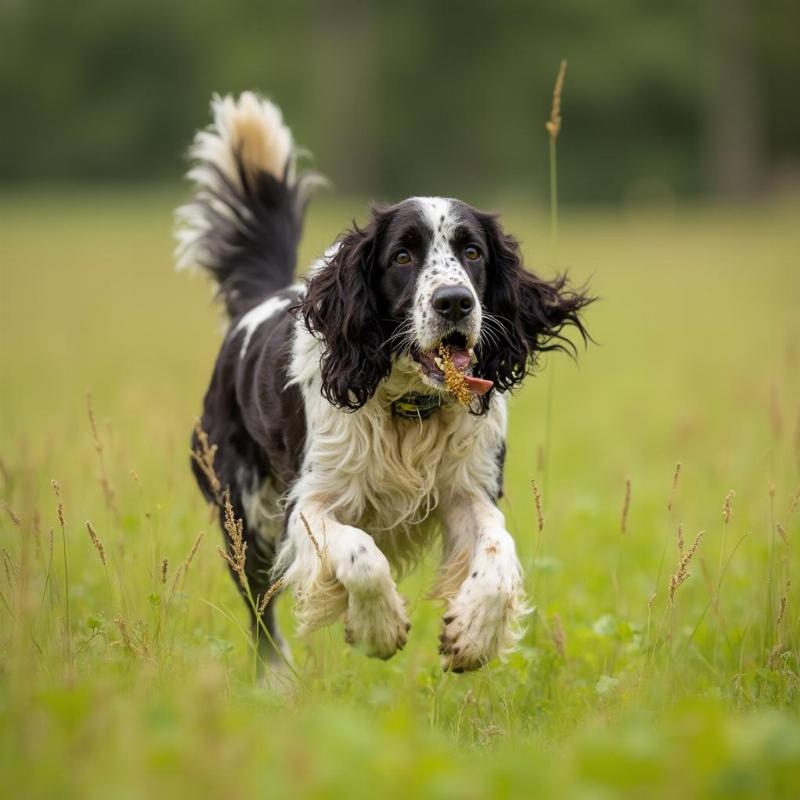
(242, 227)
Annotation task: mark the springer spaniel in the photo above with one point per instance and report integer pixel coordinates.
(360, 411)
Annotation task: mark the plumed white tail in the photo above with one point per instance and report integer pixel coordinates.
(244, 221)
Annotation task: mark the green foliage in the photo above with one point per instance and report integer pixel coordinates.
(393, 98)
(613, 692)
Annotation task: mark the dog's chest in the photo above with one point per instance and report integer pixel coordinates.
(413, 461)
(381, 471)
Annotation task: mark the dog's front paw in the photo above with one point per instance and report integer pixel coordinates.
(481, 622)
(377, 624)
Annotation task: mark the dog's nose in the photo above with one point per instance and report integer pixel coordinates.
(453, 302)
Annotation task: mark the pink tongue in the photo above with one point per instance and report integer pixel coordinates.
(478, 385)
(461, 359)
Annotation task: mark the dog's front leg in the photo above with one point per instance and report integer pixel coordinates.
(337, 568)
(481, 579)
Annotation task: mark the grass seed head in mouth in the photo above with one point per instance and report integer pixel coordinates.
(453, 378)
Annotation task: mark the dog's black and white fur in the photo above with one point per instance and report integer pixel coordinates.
(337, 492)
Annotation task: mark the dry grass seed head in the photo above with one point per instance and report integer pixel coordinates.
(626, 506)
(9, 566)
(782, 533)
(781, 609)
(98, 545)
(12, 514)
(122, 626)
(269, 594)
(188, 561)
(774, 658)
(237, 549)
(60, 507)
(98, 444)
(675, 477)
(795, 500)
(682, 570)
(204, 458)
(727, 506)
(183, 569)
(537, 499)
(164, 568)
(553, 125)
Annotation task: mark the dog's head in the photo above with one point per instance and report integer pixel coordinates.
(427, 274)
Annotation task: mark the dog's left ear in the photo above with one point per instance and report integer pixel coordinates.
(528, 314)
(340, 308)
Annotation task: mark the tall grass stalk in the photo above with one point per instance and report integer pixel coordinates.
(770, 617)
(537, 550)
(727, 509)
(235, 552)
(62, 522)
(105, 484)
(553, 127)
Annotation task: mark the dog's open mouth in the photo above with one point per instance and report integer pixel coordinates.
(449, 365)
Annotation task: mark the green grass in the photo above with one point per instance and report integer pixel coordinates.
(698, 362)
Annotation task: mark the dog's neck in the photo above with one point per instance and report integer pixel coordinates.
(415, 406)
(407, 394)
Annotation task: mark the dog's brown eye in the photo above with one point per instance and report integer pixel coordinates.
(471, 253)
(402, 257)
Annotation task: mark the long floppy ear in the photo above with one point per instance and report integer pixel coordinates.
(528, 314)
(340, 308)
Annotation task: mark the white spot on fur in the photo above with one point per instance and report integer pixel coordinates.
(262, 506)
(257, 316)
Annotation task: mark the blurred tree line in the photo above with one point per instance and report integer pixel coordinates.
(398, 98)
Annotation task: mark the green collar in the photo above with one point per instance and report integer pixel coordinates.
(416, 406)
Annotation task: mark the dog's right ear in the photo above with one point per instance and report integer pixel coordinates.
(340, 308)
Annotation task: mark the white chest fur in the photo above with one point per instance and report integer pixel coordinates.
(374, 470)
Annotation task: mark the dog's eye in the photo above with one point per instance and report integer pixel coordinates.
(472, 253)
(402, 257)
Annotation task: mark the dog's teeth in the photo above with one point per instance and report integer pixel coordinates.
(438, 362)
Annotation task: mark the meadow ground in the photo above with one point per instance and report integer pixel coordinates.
(116, 682)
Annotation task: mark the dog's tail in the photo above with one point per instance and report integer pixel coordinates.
(244, 222)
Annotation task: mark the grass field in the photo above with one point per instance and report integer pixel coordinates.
(114, 682)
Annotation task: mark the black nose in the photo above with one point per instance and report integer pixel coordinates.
(453, 302)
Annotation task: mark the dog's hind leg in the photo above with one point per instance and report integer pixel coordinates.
(262, 527)
(254, 507)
